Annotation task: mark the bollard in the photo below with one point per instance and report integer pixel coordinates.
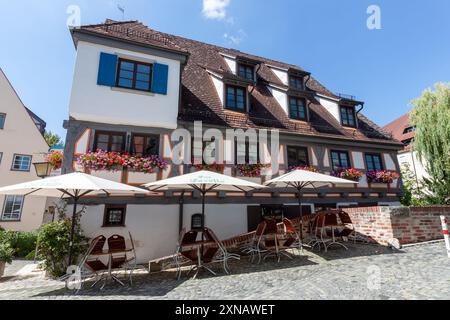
(446, 236)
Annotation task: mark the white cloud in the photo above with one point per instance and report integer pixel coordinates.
(235, 39)
(215, 9)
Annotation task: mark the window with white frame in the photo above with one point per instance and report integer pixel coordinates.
(2, 120)
(12, 208)
(21, 162)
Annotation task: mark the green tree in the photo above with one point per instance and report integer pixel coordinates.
(431, 117)
(413, 190)
(52, 139)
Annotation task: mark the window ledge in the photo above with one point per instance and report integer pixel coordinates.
(232, 112)
(139, 92)
(1, 220)
(115, 226)
(299, 121)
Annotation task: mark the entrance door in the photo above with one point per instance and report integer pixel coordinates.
(254, 217)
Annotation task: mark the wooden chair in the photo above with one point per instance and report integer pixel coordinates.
(270, 243)
(329, 231)
(254, 248)
(119, 259)
(292, 236)
(93, 265)
(349, 228)
(222, 255)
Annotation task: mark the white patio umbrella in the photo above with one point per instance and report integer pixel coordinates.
(302, 179)
(204, 182)
(72, 186)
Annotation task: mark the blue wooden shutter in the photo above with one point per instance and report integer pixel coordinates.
(160, 77)
(107, 70)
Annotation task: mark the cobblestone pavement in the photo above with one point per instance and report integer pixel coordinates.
(363, 272)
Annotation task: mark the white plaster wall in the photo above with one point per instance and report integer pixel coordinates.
(231, 63)
(281, 74)
(281, 98)
(19, 136)
(155, 227)
(331, 106)
(91, 102)
(415, 164)
(390, 165)
(358, 160)
(218, 84)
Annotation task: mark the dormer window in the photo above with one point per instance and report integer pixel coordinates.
(296, 82)
(348, 116)
(297, 108)
(409, 130)
(246, 71)
(134, 75)
(236, 98)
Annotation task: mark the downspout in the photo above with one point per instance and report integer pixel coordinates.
(256, 76)
(357, 112)
(181, 212)
(307, 80)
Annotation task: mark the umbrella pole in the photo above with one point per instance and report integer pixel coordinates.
(299, 196)
(72, 232)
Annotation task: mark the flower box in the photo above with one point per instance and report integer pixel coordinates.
(306, 168)
(219, 168)
(55, 158)
(114, 161)
(351, 174)
(250, 170)
(382, 176)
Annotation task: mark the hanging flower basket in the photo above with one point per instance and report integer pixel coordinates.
(382, 176)
(250, 170)
(113, 161)
(305, 168)
(55, 158)
(215, 167)
(348, 174)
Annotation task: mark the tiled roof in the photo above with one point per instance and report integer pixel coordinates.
(397, 128)
(200, 100)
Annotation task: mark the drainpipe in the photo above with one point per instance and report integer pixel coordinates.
(256, 76)
(181, 212)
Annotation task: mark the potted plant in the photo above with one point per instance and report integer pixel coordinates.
(113, 161)
(250, 170)
(55, 158)
(215, 167)
(6, 255)
(382, 176)
(348, 174)
(305, 168)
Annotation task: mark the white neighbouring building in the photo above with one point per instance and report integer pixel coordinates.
(133, 85)
(21, 143)
(403, 131)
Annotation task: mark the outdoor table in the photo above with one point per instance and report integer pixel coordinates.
(110, 253)
(199, 245)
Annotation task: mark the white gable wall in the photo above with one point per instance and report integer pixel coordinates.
(92, 102)
(332, 107)
(281, 98)
(281, 74)
(218, 84)
(19, 136)
(231, 63)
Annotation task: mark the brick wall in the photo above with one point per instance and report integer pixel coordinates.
(408, 225)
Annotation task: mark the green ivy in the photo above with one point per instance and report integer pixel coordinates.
(53, 239)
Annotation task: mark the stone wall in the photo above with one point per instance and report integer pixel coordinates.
(407, 225)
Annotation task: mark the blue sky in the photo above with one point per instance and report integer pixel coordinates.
(385, 68)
